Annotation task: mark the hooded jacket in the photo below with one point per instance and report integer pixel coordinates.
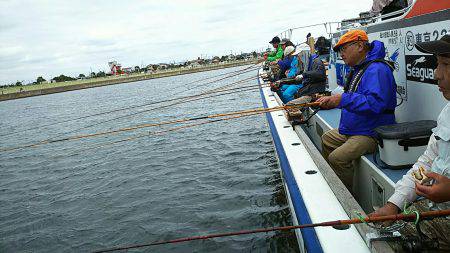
(316, 71)
(293, 69)
(285, 64)
(275, 55)
(374, 100)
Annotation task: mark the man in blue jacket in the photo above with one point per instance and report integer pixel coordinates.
(369, 101)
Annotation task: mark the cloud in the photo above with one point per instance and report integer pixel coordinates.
(49, 37)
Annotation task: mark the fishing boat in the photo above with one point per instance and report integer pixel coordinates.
(313, 190)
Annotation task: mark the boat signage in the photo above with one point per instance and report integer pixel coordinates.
(420, 68)
(413, 36)
(411, 66)
(394, 44)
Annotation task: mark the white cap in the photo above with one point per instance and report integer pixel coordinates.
(288, 50)
(297, 50)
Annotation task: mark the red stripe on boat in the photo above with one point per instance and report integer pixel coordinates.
(422, 7)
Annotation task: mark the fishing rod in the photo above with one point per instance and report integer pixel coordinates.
(164, 131)
(106, 112)
(394, 217)
(132, 128)
(205, 95)
(208, 78)
(158, 133)
(192, 125)
(213, 81)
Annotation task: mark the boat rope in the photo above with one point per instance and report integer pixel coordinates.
(131, 128)
(395, 217)
(116, 110)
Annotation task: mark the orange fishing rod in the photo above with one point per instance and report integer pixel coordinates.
(205, 95)
(228, 73)
(219, 115)
(395, 217)
(161, 132)
(121, 109)
(213, 81)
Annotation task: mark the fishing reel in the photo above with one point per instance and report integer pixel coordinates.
(405, 243)
(303, 115)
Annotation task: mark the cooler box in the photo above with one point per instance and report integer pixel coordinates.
(401, 144)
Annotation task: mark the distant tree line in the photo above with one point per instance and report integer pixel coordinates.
(60, 78)
(137, 69)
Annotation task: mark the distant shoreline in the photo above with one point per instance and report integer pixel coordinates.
(98, 82)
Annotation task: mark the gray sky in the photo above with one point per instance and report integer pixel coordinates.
(50, 38)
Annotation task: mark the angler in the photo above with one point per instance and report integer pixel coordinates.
(435, 161)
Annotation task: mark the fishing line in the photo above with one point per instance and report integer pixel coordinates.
(155, 133)
(102, 113)
(236, 71)
(213, 81)
(132, 128)
(190, 99)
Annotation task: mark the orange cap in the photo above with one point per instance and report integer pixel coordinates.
(353, 35)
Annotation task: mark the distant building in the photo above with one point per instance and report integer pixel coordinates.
(216, 59)
(116, 68)
(162, 66)
(127, 70)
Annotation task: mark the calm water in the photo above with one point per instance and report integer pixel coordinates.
(71, 197)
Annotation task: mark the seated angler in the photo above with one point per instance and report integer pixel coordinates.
(285, 64)
(277, 72)
(277, 54)
(286, 90)
(368, 101)
(315, 74)
(285, 43)
(435, 161)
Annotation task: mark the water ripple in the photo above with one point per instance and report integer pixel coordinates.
(218, 177)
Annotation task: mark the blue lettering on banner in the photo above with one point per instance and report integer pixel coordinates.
(341, 73)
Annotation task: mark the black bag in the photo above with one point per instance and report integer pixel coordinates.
(311, 88)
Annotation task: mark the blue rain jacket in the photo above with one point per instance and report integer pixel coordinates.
(367, 107)
(294, 68)
(285, 64)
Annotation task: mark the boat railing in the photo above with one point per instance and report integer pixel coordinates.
(288, 32)
(399, 14)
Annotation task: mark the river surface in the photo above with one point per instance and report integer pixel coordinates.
(91, 194)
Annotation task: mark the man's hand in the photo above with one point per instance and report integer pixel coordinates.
(265, 56)
(330, 102)
(275, 85)
(388, 209)
(439, 191)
